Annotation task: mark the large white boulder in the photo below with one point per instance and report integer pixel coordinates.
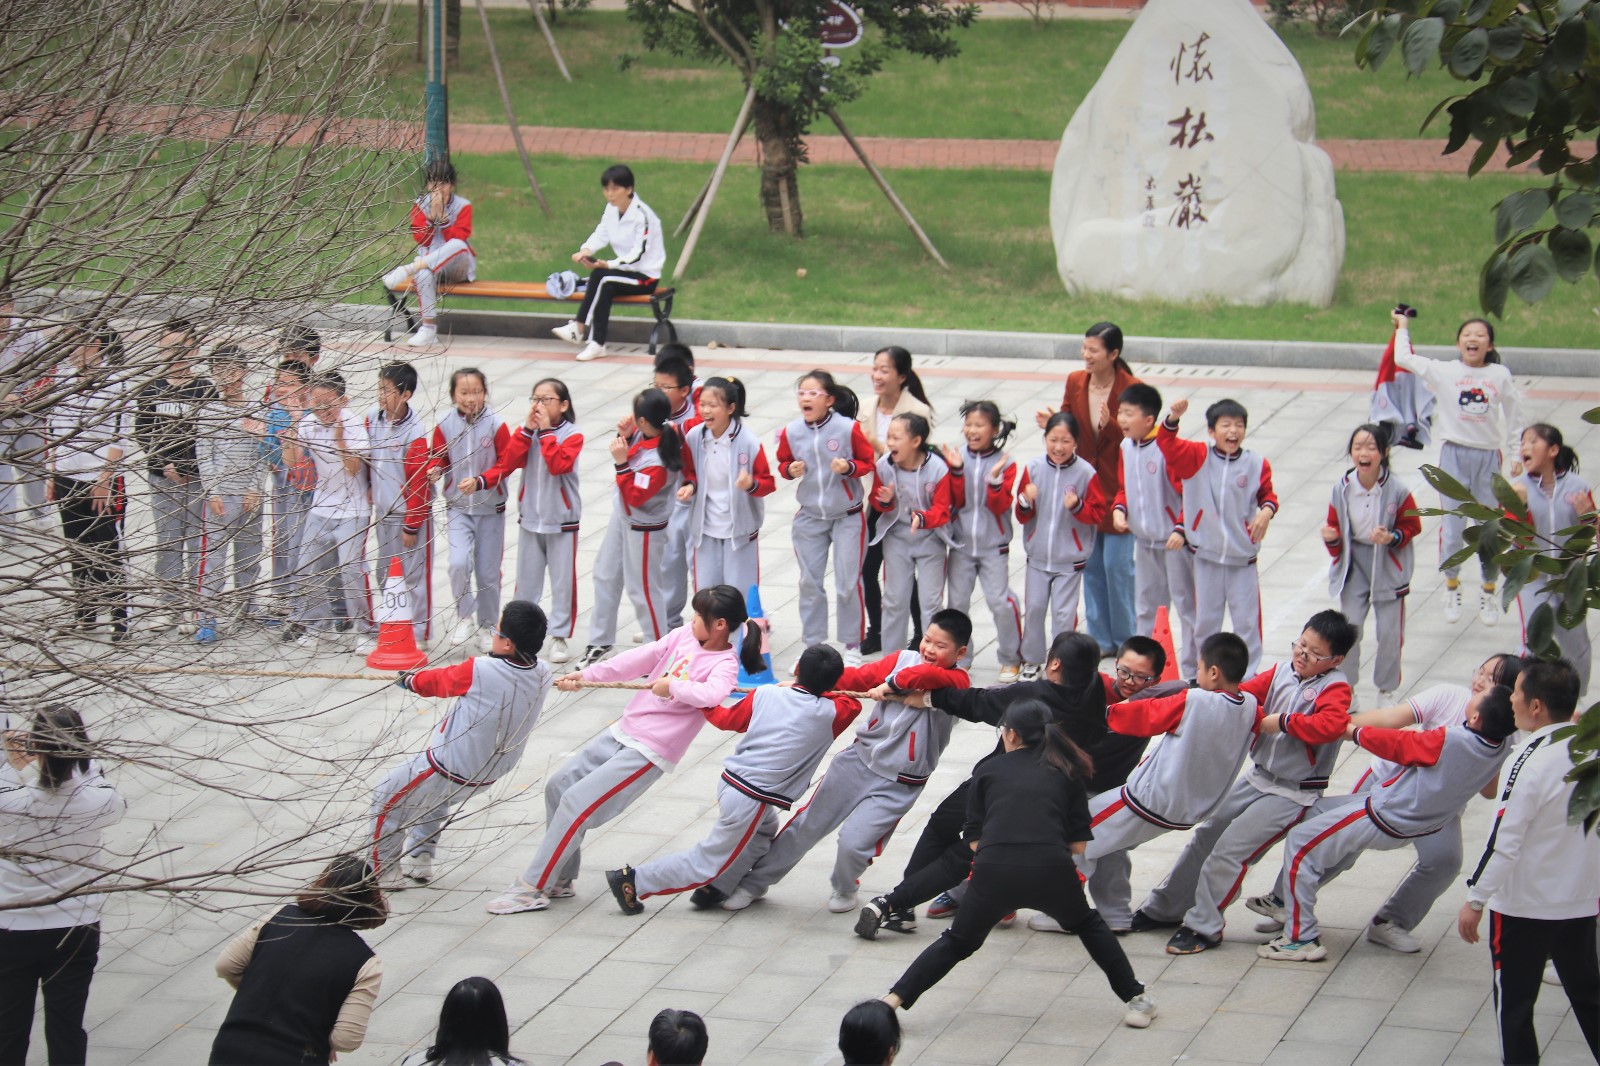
(1189, 172)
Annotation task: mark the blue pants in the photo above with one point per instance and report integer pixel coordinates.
(1108, 590)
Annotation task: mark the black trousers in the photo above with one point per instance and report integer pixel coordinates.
(604, 286)
(99, 577)
(997, 889)
(1521, 947)
(941, 859)
(872, 592)
(62, 962)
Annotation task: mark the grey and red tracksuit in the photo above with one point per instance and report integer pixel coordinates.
(914, 530)
(1568, 503)
(831, 516)
(1058, 540)
(1366, 576)
(724, 521)
(646, 492)
(1152, 501)
(397, 464)
(475, 525)
(980, 550)
(443, 249)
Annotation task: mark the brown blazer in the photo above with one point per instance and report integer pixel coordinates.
(1102, 450)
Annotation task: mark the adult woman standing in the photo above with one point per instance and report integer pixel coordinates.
(899, 391)
(1092, 395)
(305, 979)
(53, 806)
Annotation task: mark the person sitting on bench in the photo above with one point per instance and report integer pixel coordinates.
(631, 230)
(441, 223)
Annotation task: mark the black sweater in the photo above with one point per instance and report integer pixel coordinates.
(1082, 717)
(1025, 812)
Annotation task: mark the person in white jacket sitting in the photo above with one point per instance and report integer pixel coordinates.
(633, 232)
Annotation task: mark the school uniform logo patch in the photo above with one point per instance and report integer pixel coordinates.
(833, 445)
(1241, 481)
(1150, 467)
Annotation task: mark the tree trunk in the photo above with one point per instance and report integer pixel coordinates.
(782, 151)
(452, 34)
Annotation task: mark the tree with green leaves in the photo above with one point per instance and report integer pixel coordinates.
(776, 46)
(1529, 72)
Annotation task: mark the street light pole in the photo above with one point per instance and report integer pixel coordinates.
(435, 95)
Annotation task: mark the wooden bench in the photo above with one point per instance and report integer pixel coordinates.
(660, 303)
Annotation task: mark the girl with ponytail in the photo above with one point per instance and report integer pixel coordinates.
(726, 499)
(690, 670)
(1027, 816)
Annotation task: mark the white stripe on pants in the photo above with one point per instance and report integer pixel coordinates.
(992, 572)
(910, 557)
(733, 561)
(238, 528)
(741, 834)
(557, 554)
(1221, 849)
(176, 510)
(1475, 468)
(645, 576)
(416, 564)
(590, 789)
(864, 806)
(1389, 620)
(409, 808)
(1052, 602)
(1329, 841)
(1117, 830)
(813, 537)
(1574, 643)
(675, 563)
(333, 565)
(477, 546)
(450, 262)
(1236, 590)
(1165, 578)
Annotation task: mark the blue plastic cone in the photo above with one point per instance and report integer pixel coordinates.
(752, 601)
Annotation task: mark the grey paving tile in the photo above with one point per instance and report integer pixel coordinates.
(1415, 1047)
(1338, 1020)
(1312, 1053)
(978, 1038)
(1231, 1036)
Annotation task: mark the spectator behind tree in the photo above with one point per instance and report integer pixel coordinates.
(473, 1030)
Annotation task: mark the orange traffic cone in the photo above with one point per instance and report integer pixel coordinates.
(397, 643)
(1163, 635)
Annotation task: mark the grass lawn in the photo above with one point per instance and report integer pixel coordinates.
(864, 268)
(1012, 79)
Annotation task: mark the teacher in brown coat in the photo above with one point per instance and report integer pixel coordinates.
(1091, 396)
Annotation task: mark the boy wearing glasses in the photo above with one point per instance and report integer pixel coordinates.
(1305, 710)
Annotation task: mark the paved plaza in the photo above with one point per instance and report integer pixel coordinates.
(582, 980)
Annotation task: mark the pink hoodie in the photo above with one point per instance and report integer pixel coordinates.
(661, 729)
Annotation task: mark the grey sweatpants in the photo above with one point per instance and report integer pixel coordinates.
(675, 563)
(608, 564)
(477, 548)
(22, 477)
(1236, 590)
(645, 576)
(813, 537)
(1051, 601)
(451, 261)
(409, 808)
(333, 567)
(1318, 848)
(557, 555)
(176, 509)
(1165, 578)
(236, 530)
(992, 572)
(590, 789)
(733, 561)
(1389, 619)
(416, 566)
(1574, 643)
(1475, 468)
(1117, 830)
(741, 834)
(1211, 869)
(290, 506)
(912, 558)
(864, 806)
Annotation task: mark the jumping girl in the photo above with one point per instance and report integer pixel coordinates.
(1557, 499)
(1372, 523)
(467, 442)
(1478, 422)
(690, 670)
(550, 504)
(441, 224)
(899, 391)
(981, 481)
(912, 495)
(731, 477)
(1060, 504)
(825, 450)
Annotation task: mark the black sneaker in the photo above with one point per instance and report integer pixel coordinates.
(1143, 923)
(871, 644)
(593, 654)
(904, 921)
(871, 919)
(622, 887)
(292, 632)
(705, 897)
(1188, 942)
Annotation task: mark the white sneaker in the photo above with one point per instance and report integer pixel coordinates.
(843, 902)
(572, 333)
(591, 351)
(556, 651)
(485, 640)
(559, 890)
(638, 636)
(392, 880)
(399, 276)
(739, 899)
(418, 868)
(424, 336)
(1028, 672)
(852, 657)
(1452, 604)
(1009, 674)
(161, 621)
(309, 639)
(464, 631)
(1488, 609)
(1386, 697)
(1043, 923)
(1141, 1011)
(1550, 976)
(366, 645)
(1391, 936)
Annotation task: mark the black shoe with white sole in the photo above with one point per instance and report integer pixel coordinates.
(872, 916)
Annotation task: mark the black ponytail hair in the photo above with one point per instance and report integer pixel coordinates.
(1035, 723)
(1493, 354)
(653, 407)
(844, 400)
(1382, 435)
(918, 427)
(1566, 458)
(902, 366)
(1003, 426)
(732, 390)
(1110, 335)
(727, 603)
